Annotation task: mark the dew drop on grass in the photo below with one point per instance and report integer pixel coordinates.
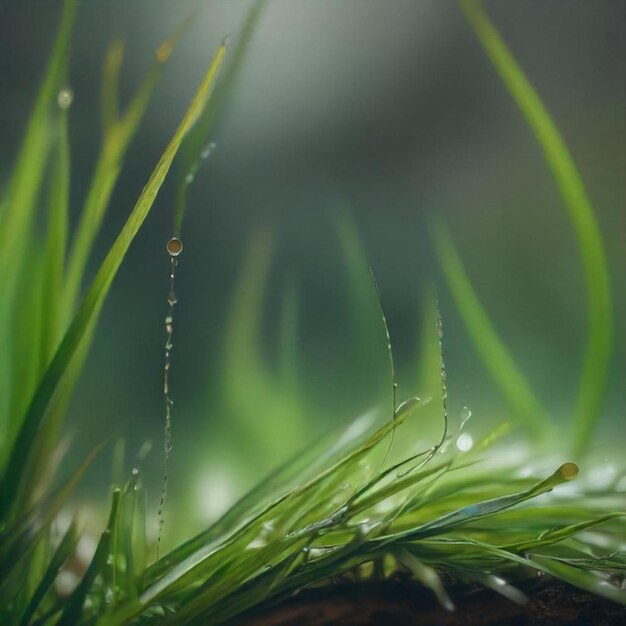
(464, 442)
(65, 97)
(206, 153)
(174, 247)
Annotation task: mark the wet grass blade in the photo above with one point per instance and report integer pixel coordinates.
(599, 346)
(493, 352)
(93, 301)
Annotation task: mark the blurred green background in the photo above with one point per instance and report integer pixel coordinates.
(352, 122)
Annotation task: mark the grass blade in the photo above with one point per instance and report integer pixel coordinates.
(63, 552)
(599, 346)
(29, 169)
(99, 565)
(54, 262)
(493, 352)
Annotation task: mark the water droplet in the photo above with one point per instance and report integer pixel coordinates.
(65, 98)
(135, 471)
(207, 150)
(174, 246)
(464, 442)
(189, 179)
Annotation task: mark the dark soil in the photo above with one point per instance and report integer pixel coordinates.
(404, 604)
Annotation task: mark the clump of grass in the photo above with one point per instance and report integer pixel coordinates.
(343, 508)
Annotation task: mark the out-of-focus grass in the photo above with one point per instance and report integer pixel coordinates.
(599, 347)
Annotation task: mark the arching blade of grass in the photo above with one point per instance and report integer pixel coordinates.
(12, 489)
(494, 354)
(580, 212)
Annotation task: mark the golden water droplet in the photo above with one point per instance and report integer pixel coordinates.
(174, 246)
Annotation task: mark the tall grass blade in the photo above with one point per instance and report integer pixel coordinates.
(16, 237)
(599, 346)
(54, 260)
(29, 169)
(494, 354)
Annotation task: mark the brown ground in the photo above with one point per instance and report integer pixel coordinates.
(402, 604)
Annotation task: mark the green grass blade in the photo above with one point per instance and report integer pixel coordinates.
(54, 260)
(495, 356)
(99, 565)
(29, 169)
(93, 301)
(24, 347)
(247, 382)
(586, 579)
(599, 346)
(454, 519)
(63, 552)
(16, 221)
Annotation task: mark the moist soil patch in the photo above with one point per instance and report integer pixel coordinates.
(396, 604)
